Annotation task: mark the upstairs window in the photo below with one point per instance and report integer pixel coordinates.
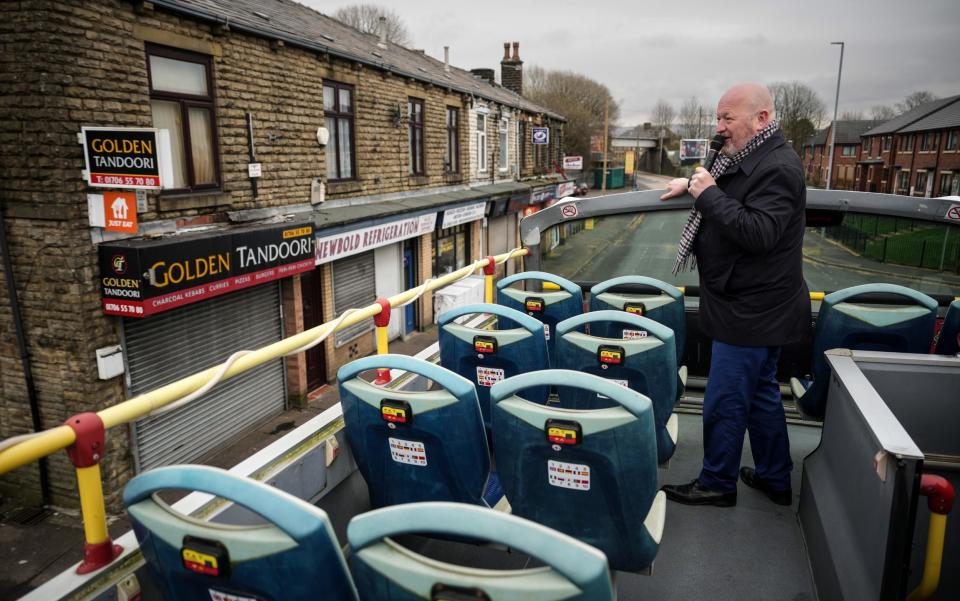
(415, 120)
(887, 142)
(481, 142)
(929, 141)
(451, 159)
(504, 146)
(181, 101)
(906, 143)
(338, 115)
(848, 151)
(951, 143)
(522, 143)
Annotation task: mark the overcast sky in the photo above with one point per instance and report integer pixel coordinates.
(644, 50)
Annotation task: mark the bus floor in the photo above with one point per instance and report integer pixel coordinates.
(753, 551)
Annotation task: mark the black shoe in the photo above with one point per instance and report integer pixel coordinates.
(698, 494)
(780, 497)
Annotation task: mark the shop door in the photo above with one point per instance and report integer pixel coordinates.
(313, 316)
(409, 281)
(389, 281)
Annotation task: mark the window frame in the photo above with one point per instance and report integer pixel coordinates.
(908, 142)
(950, 144)
(186, 102)
(481, 143)
(928, 142)
(848, 150)
(920, 185)
(886, 143)
(416, 150)
(452, 158)
(946, 177)
(503, 140)
(334, 141)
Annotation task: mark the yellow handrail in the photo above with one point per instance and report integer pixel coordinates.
(60, 437)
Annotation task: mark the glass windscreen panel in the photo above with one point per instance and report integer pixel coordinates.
(862, 249)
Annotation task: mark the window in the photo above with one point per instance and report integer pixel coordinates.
(338, 118)
(504, 154)
(887, 142)
(951, 140)
(929, 142)
(921, 187)
(946, 183)
(903, 182)
(481, 142)
(907, 143)
(451, 249)
(848, 151)
(451, 159)
(522, 143)
(415, 120)
(181, 100)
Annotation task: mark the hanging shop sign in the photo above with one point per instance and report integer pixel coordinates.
(540, 135)
(144, 277)
(121, 157)
(464, 214)
(336, 246)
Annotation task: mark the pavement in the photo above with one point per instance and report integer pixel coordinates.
(36, 544)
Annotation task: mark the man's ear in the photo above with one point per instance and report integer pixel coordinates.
(763, 118)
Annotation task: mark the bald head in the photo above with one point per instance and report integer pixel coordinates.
(743, 111)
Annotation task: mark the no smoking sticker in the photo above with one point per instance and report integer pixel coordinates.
(953, 213)
(569, 210)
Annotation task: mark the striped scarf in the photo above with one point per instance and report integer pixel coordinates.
(723, 162)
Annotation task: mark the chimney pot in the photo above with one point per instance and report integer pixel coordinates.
(446, 58)
(506, 51)
(516, 51)
(383, 32)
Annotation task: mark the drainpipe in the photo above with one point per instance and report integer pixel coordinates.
(24, 354)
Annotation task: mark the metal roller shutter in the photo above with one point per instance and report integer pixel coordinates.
(180, 342)
(354, 285)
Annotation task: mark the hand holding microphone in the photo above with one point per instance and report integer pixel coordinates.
(701, 178)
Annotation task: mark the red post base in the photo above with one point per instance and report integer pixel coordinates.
(383, 376)
(98, 555)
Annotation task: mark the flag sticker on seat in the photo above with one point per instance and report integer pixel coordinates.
(216, 595)
(574, 476)
(410, 452)
(488, 376)
(634, 334)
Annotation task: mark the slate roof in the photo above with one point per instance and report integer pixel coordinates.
(945, 118)
(848, 132)
(910, 117)
(632, 133)
(304, 27)
(817, 139)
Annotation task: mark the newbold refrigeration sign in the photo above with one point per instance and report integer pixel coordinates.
(144, 277)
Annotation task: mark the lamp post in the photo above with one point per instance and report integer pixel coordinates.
(833, 126)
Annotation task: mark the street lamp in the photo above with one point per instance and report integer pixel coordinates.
(833, 126)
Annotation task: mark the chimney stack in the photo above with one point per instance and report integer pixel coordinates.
(485, 74)
(383, 32)
(446, 58)
(511, 69)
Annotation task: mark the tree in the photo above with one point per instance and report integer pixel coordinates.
(852, 115)
(914, 100)
(662, 115)
(366, 18)
(691, 119)
(799, 110)
(578, 98)
(882, 112)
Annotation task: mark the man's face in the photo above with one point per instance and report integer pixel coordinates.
(737, 122)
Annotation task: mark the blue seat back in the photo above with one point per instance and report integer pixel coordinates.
(383, 571)
(549, 306)
(666, 307)
(591, 474)
(403, 441)
(844, 323)
(486, 357)
(646, 362)
(948, 340)
(295, 556)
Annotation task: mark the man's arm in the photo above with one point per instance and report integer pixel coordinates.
(757, 225)
(675, 187)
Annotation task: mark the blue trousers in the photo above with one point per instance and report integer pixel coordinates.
(743, 396)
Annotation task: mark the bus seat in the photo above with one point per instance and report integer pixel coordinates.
(844, 323)
(403, 441)
(589, 473)
(549, 306)
(948, 340)
(665, 306)
(643, 362)
(385, 570)
(294, 556)
(487, 356)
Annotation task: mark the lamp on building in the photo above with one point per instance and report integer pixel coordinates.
(833, 126)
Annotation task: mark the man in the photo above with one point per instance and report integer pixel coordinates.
(746, 234)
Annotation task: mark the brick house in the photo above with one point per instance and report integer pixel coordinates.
(816, 154)
(362, 153)
(891, 154)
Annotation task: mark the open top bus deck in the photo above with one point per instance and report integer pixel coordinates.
(858, 528)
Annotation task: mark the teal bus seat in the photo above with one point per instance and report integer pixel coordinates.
(643, 360)
(386, 571)
(591, 474)
(294, 556)
(948, 339)
(417, 445)
(548, 306)
(664, 306)
(844, 323)
(486, 357)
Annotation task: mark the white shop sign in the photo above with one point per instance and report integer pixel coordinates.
(465, 214)
(344, 244)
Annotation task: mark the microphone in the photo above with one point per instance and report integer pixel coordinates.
(715, 145)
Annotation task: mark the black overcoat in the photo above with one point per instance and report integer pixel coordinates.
(749, 250)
